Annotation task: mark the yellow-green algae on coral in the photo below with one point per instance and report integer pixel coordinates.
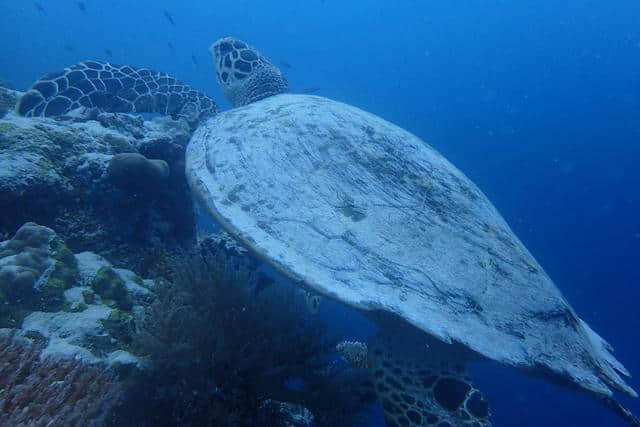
(35, 269)
(120, 327)
(89, 296)
(61, 278)
(111, 288)
(6, 127)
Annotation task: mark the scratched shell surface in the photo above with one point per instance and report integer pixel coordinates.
(360, 210)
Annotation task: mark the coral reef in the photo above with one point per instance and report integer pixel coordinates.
(218, 351)
(52, 392)
(6, 84)
(76, 305)
(35, 270)
(110, 286)
(212, 340)
(8, 99)
(209, 343)
(56, 173)
(135, 173)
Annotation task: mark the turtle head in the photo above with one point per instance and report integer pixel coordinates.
(244, 75)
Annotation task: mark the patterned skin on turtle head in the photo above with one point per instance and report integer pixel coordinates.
(244, 75)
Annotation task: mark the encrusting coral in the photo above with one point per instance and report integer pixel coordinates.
(135, 173)
(52, 392)
(35, 269)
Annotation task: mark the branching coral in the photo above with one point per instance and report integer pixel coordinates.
(219, 350)
(52, 392)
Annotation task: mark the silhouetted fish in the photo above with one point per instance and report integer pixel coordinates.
(82, 7)
(68, 48)
(108, 52)
(285, 64)
(38, 7)
(194, 59)
(311, 89)
(170, 45)
(169, 17)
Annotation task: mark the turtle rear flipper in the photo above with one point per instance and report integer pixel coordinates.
(423, 382)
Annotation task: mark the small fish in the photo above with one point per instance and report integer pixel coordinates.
(311, 89)
(285, 64)
(170, 45)
(68, 48)
(194, 59)
(169, 17)
(82, 6)
(108, 52)
(38, 7)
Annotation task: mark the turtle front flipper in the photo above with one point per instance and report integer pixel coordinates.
(423, 382)
(116, 89)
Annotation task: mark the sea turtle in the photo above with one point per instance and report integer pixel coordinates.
(353, 207)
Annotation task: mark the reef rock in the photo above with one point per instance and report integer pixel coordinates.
(135, 173)
(78, 305)
(56, 173)
(6, 84)
(35, 270)
(8, 99)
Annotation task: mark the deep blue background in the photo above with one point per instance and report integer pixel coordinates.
(538, 102)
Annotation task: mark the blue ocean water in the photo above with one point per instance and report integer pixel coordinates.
(537, 102)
